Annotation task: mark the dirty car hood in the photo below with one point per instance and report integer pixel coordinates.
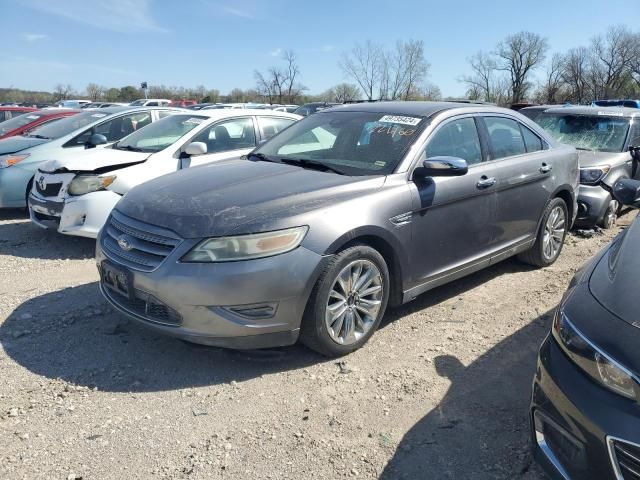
(615, 279)
(94, 159)
(241, 196)
(19, 143)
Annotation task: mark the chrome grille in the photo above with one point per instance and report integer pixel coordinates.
(146, 245)
(626, 459)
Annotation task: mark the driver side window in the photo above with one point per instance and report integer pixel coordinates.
(457, 138)
(234, 134)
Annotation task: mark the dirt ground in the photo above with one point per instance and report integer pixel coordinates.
(440, 392)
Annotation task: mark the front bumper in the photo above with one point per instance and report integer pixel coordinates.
(81, 216)
(245, 304)
(593, 201)
(575, 421)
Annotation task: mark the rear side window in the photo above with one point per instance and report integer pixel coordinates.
(234, 134)
(269, 126)
(505, 137)
(458, 138)
(531, 140)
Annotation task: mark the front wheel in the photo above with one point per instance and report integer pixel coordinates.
(551, 234)
(610, 217)
(347, 302)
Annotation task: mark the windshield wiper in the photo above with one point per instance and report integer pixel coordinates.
(305, 162)
(39, 136)
(262, 157)
(585, 149)
(130, 148)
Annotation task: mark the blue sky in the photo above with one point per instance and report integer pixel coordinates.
(219, 43)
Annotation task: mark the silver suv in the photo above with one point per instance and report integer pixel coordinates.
(344, 212)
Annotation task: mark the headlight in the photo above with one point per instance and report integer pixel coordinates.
(11, 159)
(82, 184)
(246, 247)
(592, 175)
(597, 364)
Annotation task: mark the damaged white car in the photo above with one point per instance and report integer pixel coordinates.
(76, 195)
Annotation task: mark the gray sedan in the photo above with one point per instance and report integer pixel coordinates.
(339, 215)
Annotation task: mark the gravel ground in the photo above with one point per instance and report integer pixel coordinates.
(441, 391)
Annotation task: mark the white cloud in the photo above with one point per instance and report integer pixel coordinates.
(115, 15)
(33, 37)
(238, 13)
(276, 52)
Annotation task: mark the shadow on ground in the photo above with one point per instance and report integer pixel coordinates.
(21, 238)
(480, 429)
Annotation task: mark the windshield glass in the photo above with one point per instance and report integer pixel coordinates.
(161, 134)
(18, 122)
(588, 132)
(138, 103)
(357, 143)
(68, 124)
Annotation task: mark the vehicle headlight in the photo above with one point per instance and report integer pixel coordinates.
(246, 247)
(11, 159)
(82, 184)
(592, 175)
(592, 360)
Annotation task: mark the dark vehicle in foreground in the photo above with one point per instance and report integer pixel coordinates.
(585, 407)
(603, 137)
(338, 215)
(309, 108)
(22, 124)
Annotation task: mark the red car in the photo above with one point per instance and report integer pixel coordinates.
(182, 103)
(7, 113)
(22, 124)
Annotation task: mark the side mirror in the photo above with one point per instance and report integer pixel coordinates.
(627, 192)
(442, 167)
(95, 140)
(196, 148)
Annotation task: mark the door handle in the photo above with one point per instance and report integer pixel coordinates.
(545, 168)
(486, 182)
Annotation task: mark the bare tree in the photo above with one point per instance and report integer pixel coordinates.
(343, 92)
(611, 61)
(278, 83)
(519, 55)
(292, 86)
(62, 92)
(94, 91)
(481, 83)
(431, 92)
(364, 65)
(575, 73)
(553, 79)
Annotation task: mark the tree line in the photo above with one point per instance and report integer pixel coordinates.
(516, 70)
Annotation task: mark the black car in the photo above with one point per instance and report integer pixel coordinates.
(585, 407)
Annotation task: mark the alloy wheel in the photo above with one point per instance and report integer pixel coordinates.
(554, 231)
(354, 302)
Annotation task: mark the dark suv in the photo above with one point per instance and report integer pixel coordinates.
(340, 214)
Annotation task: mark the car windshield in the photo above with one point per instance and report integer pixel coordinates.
(18, 122)
(67, 125)
(161, 134)
(138, 103)
(357, 143)
(600, 133)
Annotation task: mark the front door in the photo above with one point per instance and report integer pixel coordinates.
(453, 218)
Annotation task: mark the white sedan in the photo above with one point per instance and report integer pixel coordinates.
(76, 195)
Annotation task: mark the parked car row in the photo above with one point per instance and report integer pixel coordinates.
(252, 228)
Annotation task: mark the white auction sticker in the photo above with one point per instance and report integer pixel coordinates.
(413, 121)
(32, 117)
(98, 115)
(195, 120)
(612, 114)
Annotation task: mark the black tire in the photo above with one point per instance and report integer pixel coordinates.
(610, 217)
(313, 330)
(535, 255)
(26, 196)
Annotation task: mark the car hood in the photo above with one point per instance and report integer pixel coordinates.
(240, 196)
(19, 143)
(592, 159)
(101, 159)
(616, 276)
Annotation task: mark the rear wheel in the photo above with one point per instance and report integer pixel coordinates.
(347, 302)
(551, 234)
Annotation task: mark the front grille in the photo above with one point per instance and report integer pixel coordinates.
(626, 459)
(50, 190)
(145, 306)
(146, 245)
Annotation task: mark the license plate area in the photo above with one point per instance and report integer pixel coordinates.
(118, 280)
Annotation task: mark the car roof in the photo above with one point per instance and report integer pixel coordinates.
(49, 112)
(237, 112)
(588, 110)
(14, 109)
(129, 108)
(424, 109)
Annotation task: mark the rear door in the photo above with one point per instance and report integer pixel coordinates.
(226, 139)
(524, 174)
(270, 126)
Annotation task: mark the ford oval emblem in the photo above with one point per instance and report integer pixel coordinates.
(124, 244)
